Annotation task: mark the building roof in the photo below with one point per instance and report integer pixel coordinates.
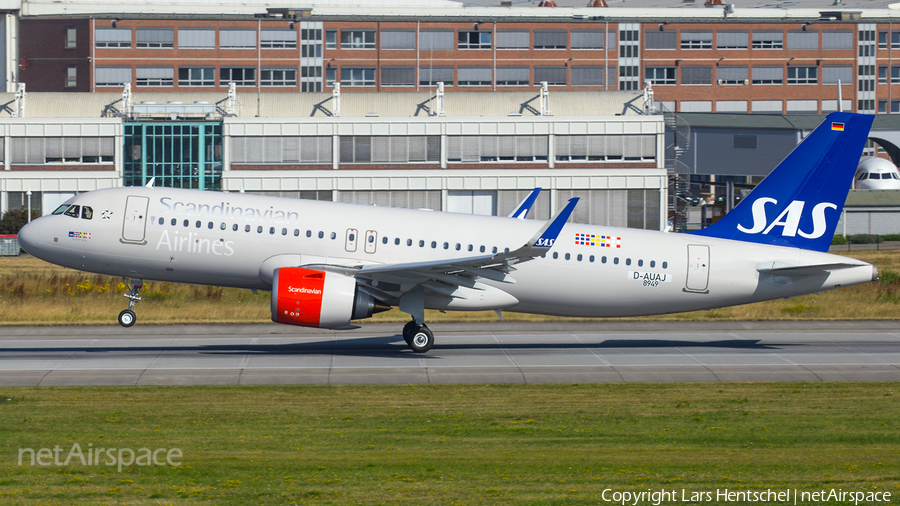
(774, 121)
(482, 10)
(353, 104)
(873, 198)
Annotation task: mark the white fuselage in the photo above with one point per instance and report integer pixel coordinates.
(237, 240)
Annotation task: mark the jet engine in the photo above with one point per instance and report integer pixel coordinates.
(322, 299)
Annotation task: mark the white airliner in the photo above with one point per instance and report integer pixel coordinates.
(327, 263)
(877, 174)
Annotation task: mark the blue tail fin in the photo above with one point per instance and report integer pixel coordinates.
(799, 203)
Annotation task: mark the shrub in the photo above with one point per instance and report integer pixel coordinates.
(890, 237)
(839, 239)
(15, 219)
(863, 239)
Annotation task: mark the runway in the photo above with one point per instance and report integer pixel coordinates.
(503, 352)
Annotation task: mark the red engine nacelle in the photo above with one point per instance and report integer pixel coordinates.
(312, 298)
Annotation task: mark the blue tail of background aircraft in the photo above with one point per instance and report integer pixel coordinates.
(800, 202)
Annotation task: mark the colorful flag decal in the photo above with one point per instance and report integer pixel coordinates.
(80, 235)
(838, 127)
(603, 241)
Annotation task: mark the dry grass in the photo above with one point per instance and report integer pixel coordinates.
(33, 292)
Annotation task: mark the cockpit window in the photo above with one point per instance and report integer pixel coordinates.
(73, 211)
(863, 176)
(87, 213)
(61, 209)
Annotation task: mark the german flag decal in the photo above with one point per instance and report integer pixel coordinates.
(837, 127)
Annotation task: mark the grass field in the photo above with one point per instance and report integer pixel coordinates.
(450, 444)
(33, 292)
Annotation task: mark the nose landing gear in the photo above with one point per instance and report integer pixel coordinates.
(127, 317)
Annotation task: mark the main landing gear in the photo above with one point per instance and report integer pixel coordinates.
(419, 338)
(127, 317)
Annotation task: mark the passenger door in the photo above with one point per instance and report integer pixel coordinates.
(134, 227)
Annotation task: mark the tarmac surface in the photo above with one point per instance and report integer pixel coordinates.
(503, 352)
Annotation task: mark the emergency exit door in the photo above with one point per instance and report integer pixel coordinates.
(698, 269)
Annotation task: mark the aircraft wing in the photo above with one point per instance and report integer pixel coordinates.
(521, 210)
(445, 277)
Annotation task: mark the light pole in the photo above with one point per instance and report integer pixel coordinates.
(29, 205)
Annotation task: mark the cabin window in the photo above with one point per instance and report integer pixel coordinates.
(174, 222)
(271, 230)
(162, 221)
(259, 229)
(409, 242)
(458, 246)
(627, 261)
(640, 263)
(665, 265)
(210, 225)
(446, 245)
(321, 234)
(579, 257)
(186, 223)
(591, 258)
(222, 226)
(296, 232)
(433, 244)
(246, 228)
(616, 260)
(333, 236)
(555, 255)
(470, 247)
(603, 260)
(234, 227)
(568, 256)
(421, 243)
(197, 224)
(652, 263)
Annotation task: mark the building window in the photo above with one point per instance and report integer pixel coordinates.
(497, 148)
(513, 76)
(661, 75)
(518, 39)
(803, 40)
(196, 76)
(435, 40)
(240, 76)
(837, 39)
(768, 75)
(155, 37)
(278, 39)
(190, 38)
(587, 39)
(895, 106)
(330, 39)
(696, 40)
(330, 76)
(831, 74)
(398, 39)
(155, 76)
(768, 40)
(732, 75)
(743, 141)
(474, 76)
(113, 76)
(654, 39)
(353, 76)
(390, 149)
(588, 76)
(113, 37)
(237, 39)
(598, 148)
(70, 37)
(71, 77)
(53, 150)
(883, 37)
(474, 40)
(278, 77)
(549, 39)
(803, 75)
(430, 76)
(398, 76)
(357, 39)
(554, 76)
(281, 150)
(731, 40)
(882, 74)
(696, 75)
(628, 51)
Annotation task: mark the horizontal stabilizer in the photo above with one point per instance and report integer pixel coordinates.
(779, 269)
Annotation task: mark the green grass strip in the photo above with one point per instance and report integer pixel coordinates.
(450, 444)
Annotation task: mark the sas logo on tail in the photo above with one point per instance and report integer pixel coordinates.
(789, 219)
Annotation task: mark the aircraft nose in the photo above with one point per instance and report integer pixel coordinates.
(29, 236)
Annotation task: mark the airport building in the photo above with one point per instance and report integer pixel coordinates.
(717, 58)
(454, 151)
